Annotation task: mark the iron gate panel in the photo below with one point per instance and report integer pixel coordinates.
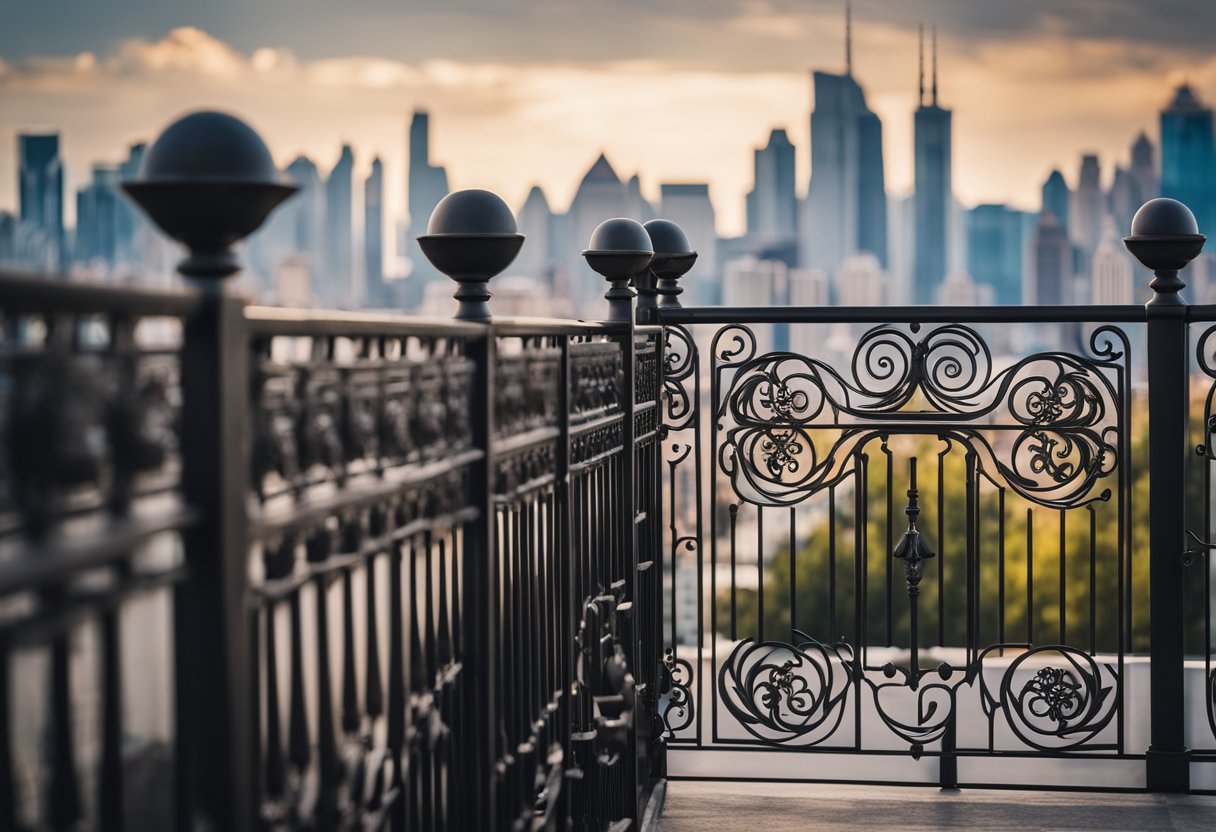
(849, 603)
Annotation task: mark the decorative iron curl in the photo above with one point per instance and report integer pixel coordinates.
(935, 708)
(787, 694)
(679, 366)
(676, 707)
(1065, 704)
(733, 345)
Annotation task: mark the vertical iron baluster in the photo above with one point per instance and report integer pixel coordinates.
(430, 771)
(327, 751)
(395, 723)
(373, 691)
(1029, 576)
(110, 783)
(890, 518)
(1093, 580)
(1000, 622)
(299, 744)
(941, 546)
(8, 786)
(275, 769)
(793, 575)
(350, 686)
(832, 561)
(418, 749)
(63, 808)
(734, 522)
(1063, 600)
(760, 572)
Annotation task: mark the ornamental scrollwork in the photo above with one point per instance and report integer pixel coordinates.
(1049, 424)
(1054, 697)
(676, 708)
(679, 378)
(787, 694)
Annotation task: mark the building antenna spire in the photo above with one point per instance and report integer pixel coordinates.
(848, 38)
(920, 97)
(934, 66)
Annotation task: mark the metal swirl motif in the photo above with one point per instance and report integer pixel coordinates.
(676, 708)
(790, 422)
(1063, 704)
(786, 694)
(679, 366)
(934, 701)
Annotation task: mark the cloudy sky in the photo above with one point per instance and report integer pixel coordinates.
(529, 91)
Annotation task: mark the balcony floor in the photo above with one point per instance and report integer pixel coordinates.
(780, 807)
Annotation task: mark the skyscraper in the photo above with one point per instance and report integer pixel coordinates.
(1188, 156)
(688, 206)
(1111, 274)
(40, 189)
(1052, 262)
(1056, 198)
(97, 206)
(338, 286)
(846, 209)
(1144, 168)
(601, 194)
(933, 155)
(535, 221)
(427, 185)
(772, 204)
(1085, 223)
(377, 293)
(995, 242)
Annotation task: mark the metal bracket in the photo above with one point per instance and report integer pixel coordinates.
(1199, 549)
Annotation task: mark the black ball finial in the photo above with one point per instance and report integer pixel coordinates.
(208, 181)
(673, 257)
(619, 250)
(1165, 237)
(471, 236)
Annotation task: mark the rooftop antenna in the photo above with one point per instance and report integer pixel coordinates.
(934, 66)
(920, 98)
(848, 38)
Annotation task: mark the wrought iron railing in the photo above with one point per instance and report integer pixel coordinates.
(266, 568)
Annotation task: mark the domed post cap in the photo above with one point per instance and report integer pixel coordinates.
(208, 181)
(619, 250)
(673, 257)
(1165, 237)
(471, 236)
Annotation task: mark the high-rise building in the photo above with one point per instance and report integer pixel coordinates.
(688, 206)
(1088, 210)
(427, 184)
(535, 221)
(338, 285)
(1111, 273)
(960, 289)
(304, 214)
(1188, 156)
(601, 195)
(1056, 198)
(377, 291)
(1052, 253)
(846, 210)
(861, 282)
(934, 194)
(772, 204)
(40, 187)
(1144, 168)
(995, 243)
(97, 231)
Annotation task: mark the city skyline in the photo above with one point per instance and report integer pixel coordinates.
(475, 104)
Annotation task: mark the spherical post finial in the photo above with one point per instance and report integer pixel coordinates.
(471, 236)
(208, 181)
(673, 257)
(1165, 237)
(620, 250)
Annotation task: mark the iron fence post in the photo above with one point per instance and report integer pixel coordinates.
(1165, 238)
(215, 724)
(479, 605)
